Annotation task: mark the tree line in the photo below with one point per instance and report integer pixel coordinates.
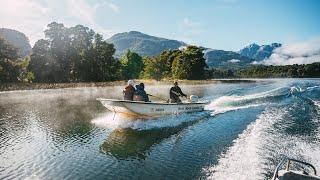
(187, 63)
(288, 71)
(262, 71)
(78, 54)
(74, 54)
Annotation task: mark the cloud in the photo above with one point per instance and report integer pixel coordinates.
(32, 16)
(234, 60)
(182, 48)
(296, 53)
(82, 10)
(189, 30)
(85, 13)
(113, 7)
(188, 23)
(24, 15)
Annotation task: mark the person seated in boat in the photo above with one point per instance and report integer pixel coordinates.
(175, 93)
(128, 91)
(140, 94)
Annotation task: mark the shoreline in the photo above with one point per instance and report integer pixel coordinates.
(36, 86)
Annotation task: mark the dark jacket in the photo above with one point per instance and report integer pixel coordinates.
(175, 92)
(140, 94)
(128, 93)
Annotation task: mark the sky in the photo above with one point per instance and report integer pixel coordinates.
(217, 24)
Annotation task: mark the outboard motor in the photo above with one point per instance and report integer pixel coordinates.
(194, 98)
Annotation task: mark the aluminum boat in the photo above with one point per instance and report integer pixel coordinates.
(151, 109)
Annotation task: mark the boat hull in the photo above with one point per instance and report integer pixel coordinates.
(150, 109)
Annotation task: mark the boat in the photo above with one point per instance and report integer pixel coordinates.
(289, 174)
(151, 109)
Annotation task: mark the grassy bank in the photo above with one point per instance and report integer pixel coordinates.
(32, 86)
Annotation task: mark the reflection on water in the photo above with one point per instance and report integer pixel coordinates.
(125, 143)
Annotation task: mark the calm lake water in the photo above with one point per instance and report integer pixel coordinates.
(67, 134)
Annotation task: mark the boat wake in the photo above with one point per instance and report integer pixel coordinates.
(316, 103)
(290, 127)
(114, 121)
(229, 103)
(252, 155)
(242, 160)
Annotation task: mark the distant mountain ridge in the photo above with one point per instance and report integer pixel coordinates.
(259, 52)
(230, 59)
(17, 39)
(147, 45)
(143, 44)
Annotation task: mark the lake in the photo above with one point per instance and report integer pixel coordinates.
(67, 134)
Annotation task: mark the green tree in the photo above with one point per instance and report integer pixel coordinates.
(59, 39)
(197, 62)
(261, 71)
(25, 75)
(43, 64)
(131, 65)
(9, 68)
(190, 64)
(100, 64)
(152, 68)
(80, 46)
(181, 67)
(166, 58)
(71, 55)
(160, 66)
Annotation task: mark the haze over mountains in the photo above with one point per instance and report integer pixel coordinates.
(258, 52)
(230, 59)
(147, 45)
(17, 39)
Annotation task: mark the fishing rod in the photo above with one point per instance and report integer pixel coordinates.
(166, 100)
(157, 97)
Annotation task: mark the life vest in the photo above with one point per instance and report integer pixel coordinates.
(128, 93)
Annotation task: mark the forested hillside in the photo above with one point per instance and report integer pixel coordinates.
(143, 44)
(288, 71)
(229, 59)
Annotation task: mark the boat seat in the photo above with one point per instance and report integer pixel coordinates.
(294, 175)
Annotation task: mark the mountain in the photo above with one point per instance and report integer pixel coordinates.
(230, 59)
(17, 39)
(146, 45)
(143, 44)
(257, 52)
